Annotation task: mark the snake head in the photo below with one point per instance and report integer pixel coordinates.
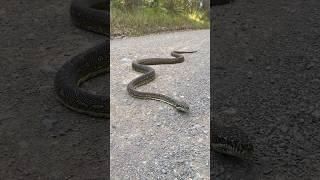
(182, 107)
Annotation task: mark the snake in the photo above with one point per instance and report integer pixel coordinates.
(230, 141)
(141, 65)
(90, 15)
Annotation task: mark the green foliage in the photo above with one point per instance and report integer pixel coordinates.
(186, 6)
(139, 17)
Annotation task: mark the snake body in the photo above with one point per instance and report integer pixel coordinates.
(230, 141)
(92, 16)
(149, 75)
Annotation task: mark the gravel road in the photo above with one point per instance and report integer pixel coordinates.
(265, 77)
(39, 138)
(150, 139)
(266, 81)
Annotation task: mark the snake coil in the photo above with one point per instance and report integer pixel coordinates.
(149, 75)
(90, 15)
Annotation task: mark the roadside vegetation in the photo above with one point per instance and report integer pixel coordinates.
(141, 17)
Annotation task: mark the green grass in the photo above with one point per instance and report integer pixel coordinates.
(150, 20)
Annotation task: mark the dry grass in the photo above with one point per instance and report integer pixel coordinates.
(149, 20)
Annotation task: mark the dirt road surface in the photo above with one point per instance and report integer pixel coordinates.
(266, 81)
(39, 138)
(150, 139)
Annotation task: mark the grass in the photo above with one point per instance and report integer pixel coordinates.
(152, 20)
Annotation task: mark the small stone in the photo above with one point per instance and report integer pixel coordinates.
(284, 128)
(125, 60)
(62, 133)
(30, 36)
(250, 58)
(23, 144)
(53, 136)
(48, 123)
(315, 81)
(298, 136)
(268, 68)
(46, 68)
(267, 171)
(230, 111)
(310, 66)
(316, 114)
(44, 88)
(250, 74)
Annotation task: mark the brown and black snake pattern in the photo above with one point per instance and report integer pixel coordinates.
(91, 15)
